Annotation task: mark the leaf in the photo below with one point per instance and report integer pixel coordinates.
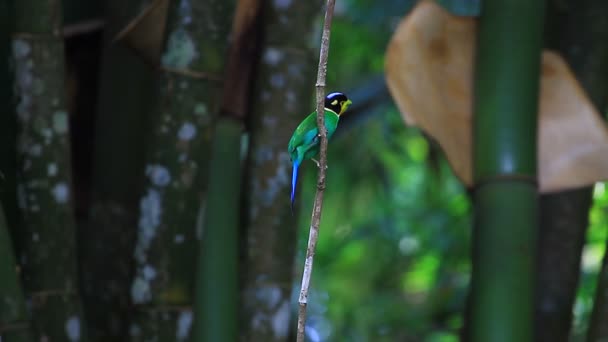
(144, 33)
(429, 71)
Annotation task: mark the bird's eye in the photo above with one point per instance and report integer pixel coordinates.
(334, 102)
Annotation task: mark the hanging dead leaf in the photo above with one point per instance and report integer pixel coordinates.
(241, 57)
(144, 34)
(573, 137)
(429, 69)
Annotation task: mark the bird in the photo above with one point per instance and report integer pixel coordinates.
(305, 143)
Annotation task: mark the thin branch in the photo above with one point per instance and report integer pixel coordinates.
(318, 204)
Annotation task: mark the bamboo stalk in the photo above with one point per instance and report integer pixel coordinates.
(318, 203)
(217, 288)
(505, 197)
(282, 90)
(126, 86)
(575, 29)
(176, 166)
(216, 315)
(562, 227)
(14, 320)
(47, 238)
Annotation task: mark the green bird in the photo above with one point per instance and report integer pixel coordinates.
(304, 143)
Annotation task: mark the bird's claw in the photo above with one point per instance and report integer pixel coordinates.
(319, 164)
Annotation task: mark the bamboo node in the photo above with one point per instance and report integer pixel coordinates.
(20, 325)
(36, 36)
(199, 75)
(507, 178)
(40, 297)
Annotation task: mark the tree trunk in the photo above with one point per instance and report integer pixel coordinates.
(284, 87)
(47, 238)
(505, 197)
(176, 165)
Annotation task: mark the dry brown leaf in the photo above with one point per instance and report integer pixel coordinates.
(144, 33)
(241, 57)
(429, 68)
(573, 149)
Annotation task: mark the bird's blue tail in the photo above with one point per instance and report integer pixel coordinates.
(294, 182)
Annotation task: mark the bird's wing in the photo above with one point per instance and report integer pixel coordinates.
(305, 134)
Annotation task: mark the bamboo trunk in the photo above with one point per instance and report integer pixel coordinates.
(576, 29)
(217, 288)
(14, 320)
(505, 197)
(47, 237)
(563, 224)
(176, 165)
(282, 98)
(216, 303)
(126, 93)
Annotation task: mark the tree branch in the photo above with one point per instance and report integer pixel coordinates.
(318, 204)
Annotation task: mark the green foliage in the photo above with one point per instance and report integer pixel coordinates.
(594, 251)
(360, 32)
(392, 261)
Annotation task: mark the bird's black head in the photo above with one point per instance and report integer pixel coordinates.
(337, 102)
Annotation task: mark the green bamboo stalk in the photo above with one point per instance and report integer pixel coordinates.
(14, 320)
(176, 165)
(47, 238)
(127, 85)
(506, 107)
(576, 29)
(282, 91)
(217, 287)
(216, 317)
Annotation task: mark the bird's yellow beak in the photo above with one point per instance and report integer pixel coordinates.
(345, 106)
